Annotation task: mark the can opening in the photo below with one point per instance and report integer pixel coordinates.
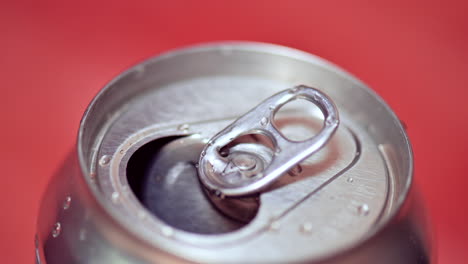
(163, 176)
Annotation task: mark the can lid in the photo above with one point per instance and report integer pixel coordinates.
(142, 137)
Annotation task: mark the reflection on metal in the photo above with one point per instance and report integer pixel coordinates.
(134, 179)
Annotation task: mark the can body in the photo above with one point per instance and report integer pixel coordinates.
(86, 219)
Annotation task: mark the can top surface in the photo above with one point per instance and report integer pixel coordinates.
(141, 138)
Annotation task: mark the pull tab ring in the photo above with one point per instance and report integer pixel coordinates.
(216, 171)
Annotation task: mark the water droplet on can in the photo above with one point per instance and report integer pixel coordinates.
(306, 228)
(115, 197)
(294, 89)
(264, 121)
(104, 161)
(184, 127)
(141, 215)
(67, 203)
(219, 194)
(56, 230)
(350, 179)
(363, 209)
(295, 171)
(167, 231)
(274, 225)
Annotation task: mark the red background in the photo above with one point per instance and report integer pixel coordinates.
(55, 56)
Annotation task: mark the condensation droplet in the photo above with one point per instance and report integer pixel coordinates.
(167, 231)
(264, 121)
(363, 209)
(203, 153)
(67, 203)
(184, 127)
(295, 171)
(272, 107)
(196, 165)
(115, 197)
(141, 215)
(306, 228)
(104, 161)
(294, 89)
(56, 230)
(274, 226)
(350, 179)
(219, 194)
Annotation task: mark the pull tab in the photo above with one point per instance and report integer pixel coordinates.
(250, 168)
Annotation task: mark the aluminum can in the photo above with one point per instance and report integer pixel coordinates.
(321, 180)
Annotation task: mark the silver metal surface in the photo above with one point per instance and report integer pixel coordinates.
(130, 193)
(247, 178)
